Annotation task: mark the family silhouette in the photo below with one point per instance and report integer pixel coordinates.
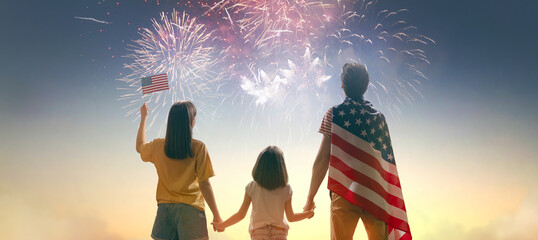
(355, 150)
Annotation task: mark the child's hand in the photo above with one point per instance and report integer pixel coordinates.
(144, 111)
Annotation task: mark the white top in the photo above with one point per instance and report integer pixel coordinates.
(268, 206)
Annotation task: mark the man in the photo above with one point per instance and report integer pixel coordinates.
(357, 152)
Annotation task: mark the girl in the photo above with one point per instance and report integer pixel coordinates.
(270, 195)
(184, 168)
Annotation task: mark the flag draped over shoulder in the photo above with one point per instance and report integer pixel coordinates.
(154, 83)
(362, 167)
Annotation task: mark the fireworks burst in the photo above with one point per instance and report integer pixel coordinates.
(279, 24)
(308, 73)
(296, 47)
(182, 48)
(389, 46)
(279, 55)
(262, 86)
(274, 35)
(292, 89)
(305, 76)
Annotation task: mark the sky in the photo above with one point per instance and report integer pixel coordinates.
(466, 150)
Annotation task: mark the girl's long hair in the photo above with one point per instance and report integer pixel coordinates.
(177, 144)
(270, 169)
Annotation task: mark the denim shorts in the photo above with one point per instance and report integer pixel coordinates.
(179, 221)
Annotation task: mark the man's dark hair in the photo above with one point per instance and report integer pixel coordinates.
(355, 80)
(270, 170)
(177, 143)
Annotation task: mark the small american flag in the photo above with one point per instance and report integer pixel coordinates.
(154, 83)
(362, 166)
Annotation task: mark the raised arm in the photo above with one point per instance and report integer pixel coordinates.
(141, 136)
(238, 216)
(319, 170)
(207, 191)
(294, 217)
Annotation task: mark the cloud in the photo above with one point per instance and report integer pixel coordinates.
(25, 218)
(22, 219)
(520, 225)
(88, 228)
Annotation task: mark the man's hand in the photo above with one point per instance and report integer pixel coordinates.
(310, 205)
(319, 170)
(310, 212)
(144, 111)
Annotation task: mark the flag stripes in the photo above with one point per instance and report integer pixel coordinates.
(364, 146)
(368, 194)
(155, 83)
(377, 187)
(398, 234)
(326, 124)
(362, 168)
(365, 160)
(364, 202)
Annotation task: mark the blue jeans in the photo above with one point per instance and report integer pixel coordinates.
(179, 221)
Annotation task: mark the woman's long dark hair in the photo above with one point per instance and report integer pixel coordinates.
(177, 144)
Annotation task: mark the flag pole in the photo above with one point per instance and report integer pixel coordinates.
(142, 90)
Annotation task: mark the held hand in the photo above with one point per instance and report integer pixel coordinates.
(310, 205)
(310, 213)
(217, 222)
(144, 111)
(218, 227)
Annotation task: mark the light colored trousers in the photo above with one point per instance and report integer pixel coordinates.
(269, 233)
(344, 219)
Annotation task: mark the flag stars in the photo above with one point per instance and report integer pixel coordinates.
(363, 133)
(368, 121)
(372, 131)
(390, 157)
(384, 146)
(375, 117)
(341, 113)
(353, 111)
(380, 126)
(346, 123)
(355, 103)
(346, 103)
(386, 133)
(380, 139)
(372, 144)
(363, 111)
(358, 121)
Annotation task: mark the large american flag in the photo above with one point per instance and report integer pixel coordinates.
(154, 83)
(362, 167)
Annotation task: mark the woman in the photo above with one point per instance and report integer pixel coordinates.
(184, 168)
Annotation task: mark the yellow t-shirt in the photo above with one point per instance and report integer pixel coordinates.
(178, 178)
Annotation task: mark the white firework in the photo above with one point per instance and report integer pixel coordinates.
(180, 47)
(389, 46)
